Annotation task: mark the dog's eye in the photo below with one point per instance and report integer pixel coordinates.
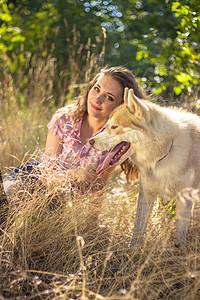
(113, 127)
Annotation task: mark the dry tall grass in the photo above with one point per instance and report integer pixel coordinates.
(30, 96)
(49, 249)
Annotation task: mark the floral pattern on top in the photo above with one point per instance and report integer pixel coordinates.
(73, 153)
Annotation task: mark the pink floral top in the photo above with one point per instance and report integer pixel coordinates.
(73, 153)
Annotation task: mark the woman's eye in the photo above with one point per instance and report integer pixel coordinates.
(110, 98)
(96, 88)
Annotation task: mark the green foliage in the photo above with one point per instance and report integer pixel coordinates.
(187, 45)
(161, 43)
(157, 39)
(11, 35)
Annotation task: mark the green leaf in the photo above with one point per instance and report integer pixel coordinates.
(177, 90)
(174, 6)
(183, 77)
(2, 46)
(5, 17)
(18, 38)
(141, 54)
(161, 70)
(159, 89)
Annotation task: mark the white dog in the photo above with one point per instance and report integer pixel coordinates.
(164, 144)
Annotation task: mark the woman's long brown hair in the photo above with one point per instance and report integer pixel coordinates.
(126, 78)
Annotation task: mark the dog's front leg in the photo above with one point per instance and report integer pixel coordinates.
(144, 209)
(184, 205)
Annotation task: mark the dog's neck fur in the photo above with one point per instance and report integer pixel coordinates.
(170, 149)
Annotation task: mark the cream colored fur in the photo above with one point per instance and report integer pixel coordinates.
(165, 147)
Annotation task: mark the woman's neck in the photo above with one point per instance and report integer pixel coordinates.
(90, 126)
(94, 123)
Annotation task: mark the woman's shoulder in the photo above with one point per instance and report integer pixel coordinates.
(64, 114)
(67, 111)
(62, 120)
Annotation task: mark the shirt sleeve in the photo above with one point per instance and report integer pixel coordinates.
(61, 123)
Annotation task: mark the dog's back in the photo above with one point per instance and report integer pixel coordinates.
(182, 159)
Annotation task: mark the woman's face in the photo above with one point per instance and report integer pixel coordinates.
(104, 96)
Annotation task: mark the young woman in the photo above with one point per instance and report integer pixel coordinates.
(72, 126)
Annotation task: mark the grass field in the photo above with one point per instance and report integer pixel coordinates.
(49, 249)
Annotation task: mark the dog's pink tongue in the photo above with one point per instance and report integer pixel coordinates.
(108, 158)
(105, 163)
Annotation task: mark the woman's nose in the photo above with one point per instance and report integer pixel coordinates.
(99, 99)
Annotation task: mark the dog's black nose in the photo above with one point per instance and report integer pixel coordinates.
(91, 142)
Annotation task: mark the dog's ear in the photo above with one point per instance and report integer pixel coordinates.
(134, 104)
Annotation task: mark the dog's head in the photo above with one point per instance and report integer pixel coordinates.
(125, 127)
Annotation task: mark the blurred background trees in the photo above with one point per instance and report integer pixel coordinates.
(157, 39)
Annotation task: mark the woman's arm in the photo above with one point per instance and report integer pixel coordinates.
(52, 151)
(53, 145)
(84, 175)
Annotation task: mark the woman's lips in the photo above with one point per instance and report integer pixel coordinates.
(94, 106)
